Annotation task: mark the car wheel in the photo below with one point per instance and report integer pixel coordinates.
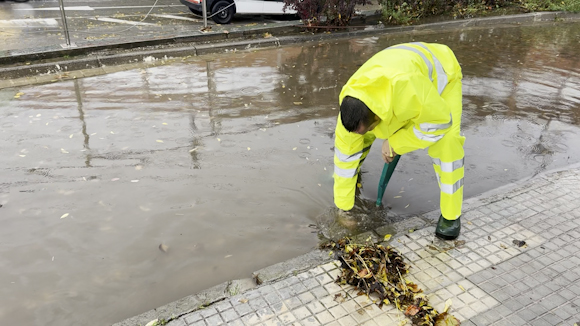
(196, 12)
(222, 14)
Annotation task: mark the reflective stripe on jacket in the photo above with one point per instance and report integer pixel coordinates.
(402, 85)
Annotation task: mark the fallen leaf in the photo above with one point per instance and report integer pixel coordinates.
(414, 287)
(219, 139)
(319, 185)
(519, 243)
(387, 237)
(112, 133)
(134, 181)
(164, 123)
(407, 205)
(339, 298)
(297, 103)
(459, 243)
(193, 150)
(397, 197)
(71, 136)
(153, 322)
(411, 310)
(243, 300)
(63, 151)
(461, 287)
(64, 215)
(138, 167)
(163, 247)
(445, 319)
(248, 148)
(22, 155)
(159, 141)
(294, 148)
(448, 304)
(227, 256)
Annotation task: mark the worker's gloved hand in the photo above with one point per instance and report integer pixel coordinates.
(388, 152)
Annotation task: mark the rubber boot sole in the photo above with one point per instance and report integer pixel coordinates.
(446, 237)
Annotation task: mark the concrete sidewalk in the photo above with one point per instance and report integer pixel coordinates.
(490, 279)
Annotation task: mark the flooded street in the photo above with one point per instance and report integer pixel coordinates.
(126, 191)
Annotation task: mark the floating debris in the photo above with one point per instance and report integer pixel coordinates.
(378, 270)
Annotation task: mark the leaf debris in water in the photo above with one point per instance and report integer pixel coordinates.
(378, 270)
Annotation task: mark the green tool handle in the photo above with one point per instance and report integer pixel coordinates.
(388, 170)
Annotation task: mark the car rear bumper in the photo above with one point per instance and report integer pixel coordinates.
(194, 6)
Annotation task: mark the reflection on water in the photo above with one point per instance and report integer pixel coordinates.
(227, 160)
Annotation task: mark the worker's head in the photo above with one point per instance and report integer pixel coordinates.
(356, 116)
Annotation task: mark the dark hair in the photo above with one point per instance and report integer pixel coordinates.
(353, 112)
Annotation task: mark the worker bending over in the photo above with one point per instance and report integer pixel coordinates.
(410, 96)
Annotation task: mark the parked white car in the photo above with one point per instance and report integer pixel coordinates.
(223, 11)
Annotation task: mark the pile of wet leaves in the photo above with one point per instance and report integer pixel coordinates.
(378, 271)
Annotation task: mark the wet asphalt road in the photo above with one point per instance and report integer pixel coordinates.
(36, 24)
(226, 160)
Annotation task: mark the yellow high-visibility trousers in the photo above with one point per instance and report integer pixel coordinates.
(448, 156)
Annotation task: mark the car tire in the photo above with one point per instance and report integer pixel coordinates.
(221, 15)
(196, 12)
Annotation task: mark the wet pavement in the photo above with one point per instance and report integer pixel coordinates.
(37, 24)
(516, 262)
(125, 191)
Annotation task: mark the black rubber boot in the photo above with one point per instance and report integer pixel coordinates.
(448, 229)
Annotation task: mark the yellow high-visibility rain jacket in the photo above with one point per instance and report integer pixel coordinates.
(415, 89)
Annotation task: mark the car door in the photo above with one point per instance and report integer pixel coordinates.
(273, 7)
(249, 6)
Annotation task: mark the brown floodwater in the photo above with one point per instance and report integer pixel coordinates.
(225, 162)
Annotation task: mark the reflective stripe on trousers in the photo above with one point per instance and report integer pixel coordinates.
(448, 158)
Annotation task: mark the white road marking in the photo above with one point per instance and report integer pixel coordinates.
(78, 8)
(129, 7)
(120, 21)
(87, 8)
(176, 17)
(33, 22)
